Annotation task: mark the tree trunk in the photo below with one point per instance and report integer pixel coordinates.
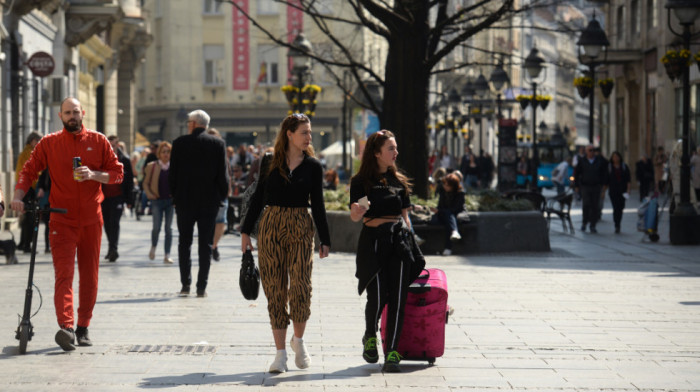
(405, 104)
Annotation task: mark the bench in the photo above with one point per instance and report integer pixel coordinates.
(560, 205)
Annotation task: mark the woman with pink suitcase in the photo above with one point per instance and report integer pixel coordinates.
(388, 259)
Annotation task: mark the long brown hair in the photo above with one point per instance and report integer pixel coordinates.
(279, 157)
(369, 169)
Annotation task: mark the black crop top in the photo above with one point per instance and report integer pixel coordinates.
(385, 200)
(305, 181)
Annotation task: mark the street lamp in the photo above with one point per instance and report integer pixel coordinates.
(499, 79)
(593, 40)
(481, 86)
(467, 96)
(684, 221)
(533, 66)
(455, 100)
(301, 98)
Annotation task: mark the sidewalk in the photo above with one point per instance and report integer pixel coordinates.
(599, 312)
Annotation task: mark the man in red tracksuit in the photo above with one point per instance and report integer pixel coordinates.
(80, 229)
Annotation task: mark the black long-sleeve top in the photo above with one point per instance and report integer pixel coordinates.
(387, 197)
(305, 181)
(452, 201)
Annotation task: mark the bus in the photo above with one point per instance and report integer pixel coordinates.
(551, 154)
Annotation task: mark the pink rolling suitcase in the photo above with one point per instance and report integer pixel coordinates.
(423, 333)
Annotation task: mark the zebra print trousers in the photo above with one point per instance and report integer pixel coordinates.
(285, 255)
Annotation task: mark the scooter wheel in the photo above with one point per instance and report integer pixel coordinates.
(23, 338)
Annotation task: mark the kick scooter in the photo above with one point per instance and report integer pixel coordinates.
(25, 330)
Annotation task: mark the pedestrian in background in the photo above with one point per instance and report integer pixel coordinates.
(660, 174)
(590, 178)
(384, 258)
(486, 169)
(157, 188)
(445, 160)
(560, 174)
(450, 204)
(695, 172)
(471, 173)
(619, 181)
(222, 215)
(79, 230)
(116, 195)
(141, 198)
(27, 220)
(286, 234)
(199, 185)
(645, 176)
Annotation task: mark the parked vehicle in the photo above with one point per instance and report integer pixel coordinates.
(550, 155)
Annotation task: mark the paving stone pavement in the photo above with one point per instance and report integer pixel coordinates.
(601, 312)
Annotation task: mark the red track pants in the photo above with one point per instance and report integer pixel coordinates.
(65, 241)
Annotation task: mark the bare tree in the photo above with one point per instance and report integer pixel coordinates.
(419, 33)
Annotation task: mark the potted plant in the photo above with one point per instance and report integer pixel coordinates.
(674, 61)
(606, 86)
(584, 85)
(524, 100)
(543, 101)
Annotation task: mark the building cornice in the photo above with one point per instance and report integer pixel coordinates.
(84, 21)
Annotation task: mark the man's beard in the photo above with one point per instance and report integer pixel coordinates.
(73, 128)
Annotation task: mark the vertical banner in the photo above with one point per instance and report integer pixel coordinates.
(295, 25)
(241, 47)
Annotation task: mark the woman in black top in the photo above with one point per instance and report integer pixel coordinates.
(286, 234)
(450, 203)
(387, 258)
(619, 179)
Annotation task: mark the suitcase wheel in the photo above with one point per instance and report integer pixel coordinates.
(447, 317)
(654, 237)
(431, 361)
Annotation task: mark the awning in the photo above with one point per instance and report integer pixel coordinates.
(140, 140)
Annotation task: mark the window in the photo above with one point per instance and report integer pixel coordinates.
(652, 14)
(635, 18)
(159, 66)
(213, 65)
(620, 24)
(212, 7)
(268, 65)
(83, 65)
(268, 7)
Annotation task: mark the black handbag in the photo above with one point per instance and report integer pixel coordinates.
(249, 279)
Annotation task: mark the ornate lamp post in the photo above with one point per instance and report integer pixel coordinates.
(301, 97)
(592, 39)
(533, 66)
(684, 221)
(499, 79)
(481, 86)
(455, 100)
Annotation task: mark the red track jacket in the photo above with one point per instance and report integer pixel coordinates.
(81, 199)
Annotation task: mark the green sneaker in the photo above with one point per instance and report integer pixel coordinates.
(370, 349)
(391, 363)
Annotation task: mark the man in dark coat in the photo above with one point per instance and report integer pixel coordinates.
(590, 179)
(115, 197)
(199, 184)
(645, 176)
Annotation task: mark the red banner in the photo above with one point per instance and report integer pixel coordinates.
(241, 47)
(295, 25)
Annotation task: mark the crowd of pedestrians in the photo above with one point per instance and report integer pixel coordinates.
(200, 181)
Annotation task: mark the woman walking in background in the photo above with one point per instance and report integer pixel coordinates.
(618, 186)
(157, 190)
(286, 234)
(379, 196)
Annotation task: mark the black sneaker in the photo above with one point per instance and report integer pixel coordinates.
(201, 294)
(215, 254)
(185, 291)
(65, 338)
(81, 335)
(391, 363)
(113, 256)
(369, 353)
(593, 230)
